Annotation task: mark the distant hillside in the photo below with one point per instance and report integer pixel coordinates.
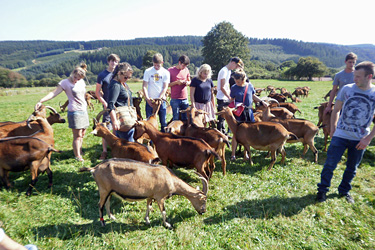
(38, 59)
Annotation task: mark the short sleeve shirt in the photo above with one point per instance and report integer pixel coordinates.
(156, 80)
(75, 93)
(357, 112)
(237, 92)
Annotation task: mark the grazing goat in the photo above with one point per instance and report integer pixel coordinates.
(88, 98)
(277, 96)
(20, 153)
(135, 181)
(63, 107)
(179, 150)
(121, 148)
(303, 129)
(289, 106)
(267, 136)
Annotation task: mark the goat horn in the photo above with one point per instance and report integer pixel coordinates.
(204, 183)
(52, 109)
(101, 113)
(274, 100)
(29, 119)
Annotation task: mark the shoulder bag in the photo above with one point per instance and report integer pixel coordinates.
(241, 107)
(126, 115)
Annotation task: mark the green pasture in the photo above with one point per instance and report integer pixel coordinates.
(249, 208)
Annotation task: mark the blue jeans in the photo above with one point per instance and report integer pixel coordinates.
(162, 114)
(335, 151)
(129, 135)
(177, 105)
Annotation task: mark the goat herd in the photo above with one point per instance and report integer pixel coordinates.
(132, 175)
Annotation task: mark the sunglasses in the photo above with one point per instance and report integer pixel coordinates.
(125, 76)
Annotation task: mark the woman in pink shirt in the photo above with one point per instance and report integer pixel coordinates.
(78, 119)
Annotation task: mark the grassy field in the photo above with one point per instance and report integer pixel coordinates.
(249, 208)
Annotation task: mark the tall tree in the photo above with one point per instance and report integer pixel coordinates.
(309, 67)
(223, 42)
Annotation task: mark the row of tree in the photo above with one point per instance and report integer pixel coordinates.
(46, 62)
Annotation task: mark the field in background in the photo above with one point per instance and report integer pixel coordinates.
(249, 208)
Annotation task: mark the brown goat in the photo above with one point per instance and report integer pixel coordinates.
(289, 106)
(267, 136)
(278, 97)
(8, 129)
(121, 148)
(303, 129)
(135, 181)
(179, 150)
(20, 153)
(325, 121)
(214, 138)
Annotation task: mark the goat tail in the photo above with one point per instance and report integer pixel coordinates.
(52, 149)
(292, 137)
(213, 152)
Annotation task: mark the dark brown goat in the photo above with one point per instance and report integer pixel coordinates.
(20, 153)
(121, 148)
(179, 150)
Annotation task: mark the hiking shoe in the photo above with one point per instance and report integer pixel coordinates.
(348, 198)
(321, 197)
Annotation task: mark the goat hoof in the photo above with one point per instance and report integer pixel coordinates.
(168, 226)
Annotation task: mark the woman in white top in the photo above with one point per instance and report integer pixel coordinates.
(78, 119)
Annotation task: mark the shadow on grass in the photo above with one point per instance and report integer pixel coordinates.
(66, 231)
(268, 208)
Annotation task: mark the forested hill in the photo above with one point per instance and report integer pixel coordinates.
(37, 60)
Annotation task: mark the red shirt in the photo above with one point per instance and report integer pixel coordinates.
(179, 91)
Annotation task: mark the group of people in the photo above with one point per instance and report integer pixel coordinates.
(351, 130)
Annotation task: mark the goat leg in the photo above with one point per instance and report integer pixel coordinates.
(4, 177)
(149, 208)
(32, 184)
(273, 159)
(108, 208)
(164, 214)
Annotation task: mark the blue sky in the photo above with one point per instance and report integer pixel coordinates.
(328, 21)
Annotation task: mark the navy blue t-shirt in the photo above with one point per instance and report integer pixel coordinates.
(202, 92)
(237, 93)
(104, 79)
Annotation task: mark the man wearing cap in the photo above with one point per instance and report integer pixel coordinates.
(223, 88)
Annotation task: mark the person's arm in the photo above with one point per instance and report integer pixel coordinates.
(222, 83)
(145, 92)
(365, 141)
(335, 116)
(164, 90)
(114, 91)
(257, 99)
(192, 92)
(331, 97)
(99, 95)
(7, 243)
(49, 96)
